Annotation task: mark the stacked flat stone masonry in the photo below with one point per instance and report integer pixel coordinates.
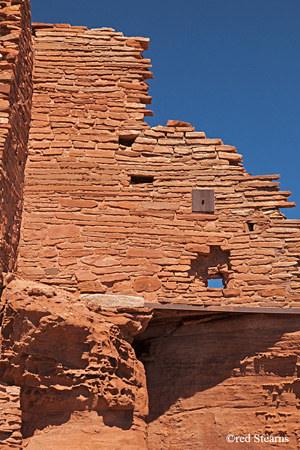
(15, 103)
(10, 417)
(88, 85)
(108, 208)
(108, 201)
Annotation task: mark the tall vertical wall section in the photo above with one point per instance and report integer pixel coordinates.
(107, 214)
(16, 63)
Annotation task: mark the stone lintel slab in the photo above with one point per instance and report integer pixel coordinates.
(114, 301)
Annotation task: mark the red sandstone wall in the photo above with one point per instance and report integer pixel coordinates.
(88, 229)
(15, 103)
(89, 88)
(210, 377)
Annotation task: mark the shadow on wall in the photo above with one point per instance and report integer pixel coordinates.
(181, 361)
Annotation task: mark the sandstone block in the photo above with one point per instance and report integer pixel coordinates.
(146, 284)
(113, 301)
(85, 275)
(178, 123)
(91, 287)
(198, 248)
(63, 231)
(144, 252)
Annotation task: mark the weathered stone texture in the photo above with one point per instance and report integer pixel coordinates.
(16, 62)
(113, 301)
(10, 417)
(108, 216)
(210, 376)
(142, 237)
(72, 361)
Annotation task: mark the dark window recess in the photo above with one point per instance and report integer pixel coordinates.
(203, 200)
(126, 142)
(141, 179)
(250, 226)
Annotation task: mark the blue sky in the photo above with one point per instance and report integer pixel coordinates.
(229, 67)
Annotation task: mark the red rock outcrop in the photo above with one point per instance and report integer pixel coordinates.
(70, 362)
(215, 375)
(73, 379)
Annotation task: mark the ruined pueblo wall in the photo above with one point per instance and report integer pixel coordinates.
(108, 201)
(112, 206)
(16, 62)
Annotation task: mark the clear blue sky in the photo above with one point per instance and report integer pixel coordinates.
(229, 67)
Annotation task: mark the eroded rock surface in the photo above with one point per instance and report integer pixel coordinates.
(70, 377)
(208, 377)
(73, 363)
(10, 417)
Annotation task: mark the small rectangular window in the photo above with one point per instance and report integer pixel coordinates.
(250, 226)
(141, 179)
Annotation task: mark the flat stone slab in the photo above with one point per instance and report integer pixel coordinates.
(114, 301)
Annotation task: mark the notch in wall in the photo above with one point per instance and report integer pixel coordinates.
(203, 200)
(141, 179)
(126, 141)
(251, 226)
(213, 270)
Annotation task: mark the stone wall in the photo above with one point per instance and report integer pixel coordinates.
(16, 62)
(108, 201)
(112, 206)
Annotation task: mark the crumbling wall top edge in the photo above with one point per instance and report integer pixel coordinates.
(65, 27)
